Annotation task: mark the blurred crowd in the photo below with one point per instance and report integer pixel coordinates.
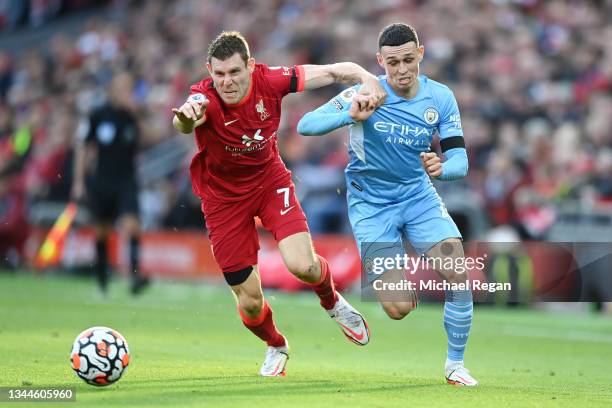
(532, 79)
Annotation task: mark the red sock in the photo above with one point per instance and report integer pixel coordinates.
(324, 288)
(263, 326)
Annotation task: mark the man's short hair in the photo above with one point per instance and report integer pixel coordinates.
(227, 44)
(397, 34)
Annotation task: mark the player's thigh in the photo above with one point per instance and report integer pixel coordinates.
(376, 233)
(280, 211)
(232, 234)
(430, 224)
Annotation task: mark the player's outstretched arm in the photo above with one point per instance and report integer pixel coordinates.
(335, 114)
(317, 76)
(191, 114)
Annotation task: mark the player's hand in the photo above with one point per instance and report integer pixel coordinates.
(191, 111)
(361, 107)
(375, 91)
(432, 164)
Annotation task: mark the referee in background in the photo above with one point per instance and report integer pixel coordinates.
(111, 141)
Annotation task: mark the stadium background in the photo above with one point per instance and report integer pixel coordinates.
(532, 80)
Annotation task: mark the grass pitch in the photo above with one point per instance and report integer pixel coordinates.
(189, 349)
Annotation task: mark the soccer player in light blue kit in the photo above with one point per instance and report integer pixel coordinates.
(389, 189)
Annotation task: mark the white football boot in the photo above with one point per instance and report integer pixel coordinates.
(460, 376)
(352, 323)
(275, 362)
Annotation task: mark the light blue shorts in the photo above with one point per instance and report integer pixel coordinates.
(381, 229)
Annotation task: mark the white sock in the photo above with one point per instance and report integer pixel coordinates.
(453, 365)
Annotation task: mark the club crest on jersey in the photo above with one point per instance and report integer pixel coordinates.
(261, 109)
(431, 116)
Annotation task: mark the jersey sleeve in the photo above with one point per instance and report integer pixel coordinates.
(330, 116)
(455, 165)
(284, 80)
(450, 120)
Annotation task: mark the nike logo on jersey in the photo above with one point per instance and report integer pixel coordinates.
(286, 210)
(230, 122)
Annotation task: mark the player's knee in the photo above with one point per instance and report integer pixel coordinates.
(395, 314)
(303, 269)
(398, 312)
(251, 304)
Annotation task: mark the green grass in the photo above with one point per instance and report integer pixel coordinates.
(189, 349)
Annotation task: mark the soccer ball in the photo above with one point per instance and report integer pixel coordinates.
(100, 356)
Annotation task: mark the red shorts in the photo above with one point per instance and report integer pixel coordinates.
(231, 225)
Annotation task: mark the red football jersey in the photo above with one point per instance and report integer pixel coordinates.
(237, 145)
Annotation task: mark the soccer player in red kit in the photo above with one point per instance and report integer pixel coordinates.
(239, 175)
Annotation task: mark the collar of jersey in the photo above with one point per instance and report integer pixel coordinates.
(245, 99)
(392, 97)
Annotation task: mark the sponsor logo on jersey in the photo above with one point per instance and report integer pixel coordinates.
(257, 138)
(402, 129)
(455, 120)
(431, 116)
(252, 144)
(261, 109)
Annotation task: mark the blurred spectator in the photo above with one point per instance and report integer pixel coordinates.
(532, 78)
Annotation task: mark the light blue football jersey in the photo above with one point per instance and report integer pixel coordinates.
(385, 166)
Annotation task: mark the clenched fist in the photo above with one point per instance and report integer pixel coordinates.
(432, 164)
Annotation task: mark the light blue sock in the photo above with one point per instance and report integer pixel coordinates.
(458, 311)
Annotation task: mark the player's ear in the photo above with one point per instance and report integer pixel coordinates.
(380, 60)
(251, 65)
(421, 52)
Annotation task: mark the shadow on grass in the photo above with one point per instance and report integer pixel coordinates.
(222, 386)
